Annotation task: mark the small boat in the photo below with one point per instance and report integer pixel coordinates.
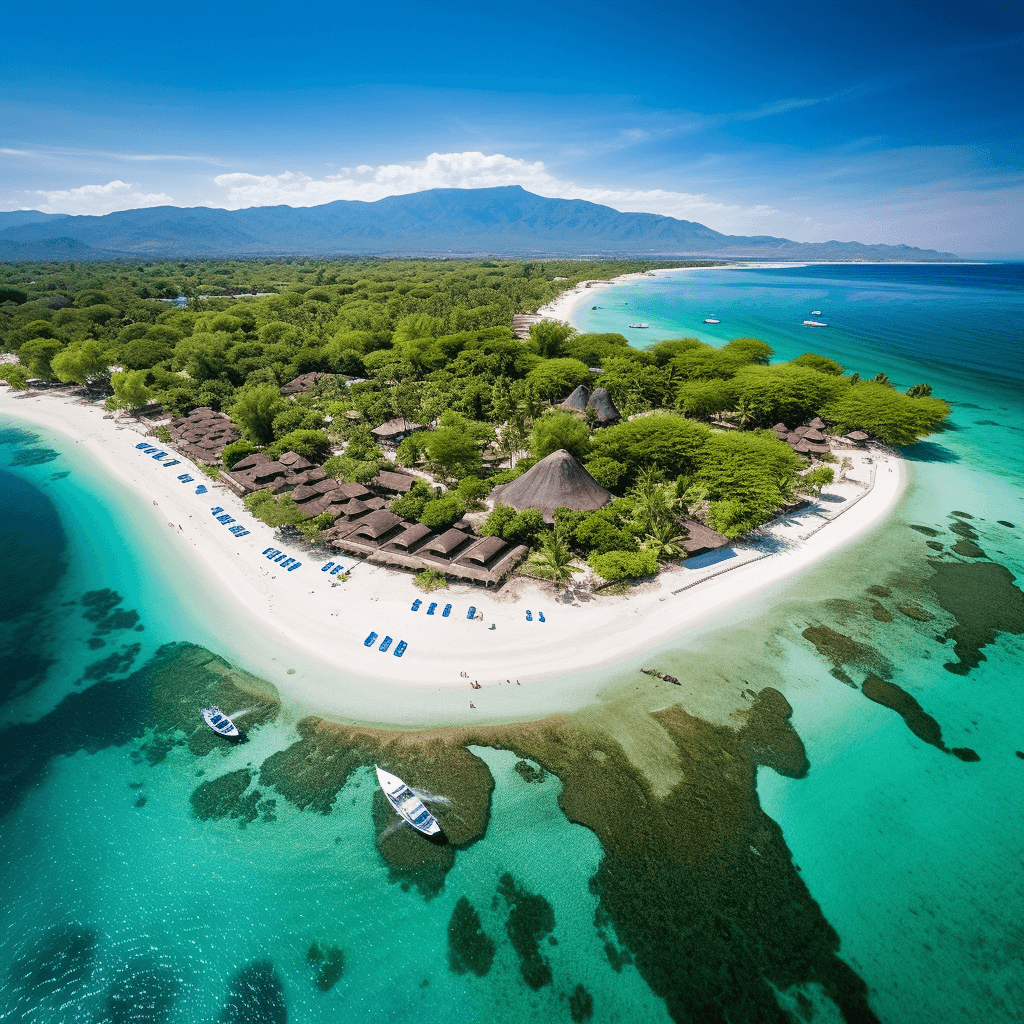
(220, 723)
(407, 804)
(814, 323)
(815, 312)
(711, 320)
(641, 327)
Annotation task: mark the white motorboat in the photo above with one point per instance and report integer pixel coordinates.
(815, 312)
(407, 804)
(220, 723)
(711, 320)
(640, 326)
(814, 323)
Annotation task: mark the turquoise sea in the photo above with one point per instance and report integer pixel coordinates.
(124, 896)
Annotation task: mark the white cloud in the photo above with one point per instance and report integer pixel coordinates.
(477, 170)
(93, 199)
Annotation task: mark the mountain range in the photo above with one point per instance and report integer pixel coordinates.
(505, 221)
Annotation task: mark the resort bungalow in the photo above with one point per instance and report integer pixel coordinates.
(557, 481)
(395, 431)
(701, 539)
(301, 384)
(392, 483)
(577, 401)
(605, 412)
(203, 434)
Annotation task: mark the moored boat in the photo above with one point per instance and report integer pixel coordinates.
(640, 326)
(712, 320)
(220, 723)
(814, 323)
(407, 804)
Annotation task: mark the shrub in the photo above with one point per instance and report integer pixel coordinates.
(236, 451)
(440, 513)
(310, 444)
(621, 565)
(430, 579)
(607, 472)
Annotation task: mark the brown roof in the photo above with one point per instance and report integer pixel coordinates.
(781, 428)
(251, 461)
(484, 551)
(351, 490)
(388, 481)
(818, 423)
(267, 471)
(558, 481)
(377, 524)
(315, 475)
(303, 382)
(577, 401)
(411, 536)
(700, 538)
(801, 430)
(304, 493)
(857, 435)
(449, 542)
(817, 449)
(353, 509)
(602, 404)
(395, 427)
(813, 434)
(294, 461)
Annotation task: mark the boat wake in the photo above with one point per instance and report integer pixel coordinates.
(432, 798)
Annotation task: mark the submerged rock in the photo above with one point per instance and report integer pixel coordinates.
(530, 919)
(581, 1004)
(255, 997)
(843, 651)
(143, 992)
(329, 964)
(469, 946)
(894, 697)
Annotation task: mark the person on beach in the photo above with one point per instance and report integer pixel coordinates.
(472, 705)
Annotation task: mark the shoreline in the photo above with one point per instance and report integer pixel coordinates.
(325, 626)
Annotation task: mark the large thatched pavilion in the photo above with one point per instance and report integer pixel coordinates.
(558, 481)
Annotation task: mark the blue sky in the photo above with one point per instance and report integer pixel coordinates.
(881, 122)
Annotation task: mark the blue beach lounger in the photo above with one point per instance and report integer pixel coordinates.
(157, 454)
(236, 529)
(201, 489)
(271, 552)
(433, 605)
(540, 615)
(385, 643)
(337, 569)
(225, 519)
(368, 642)
(173, 462)
(416, 605)
(185, 478)
(216, 510)
(447, 611)
(267, 551)
(242, 533)
(529, 615)
(143, 446)
(329, 565)
(293, 566)
(400, 649)
(287, 562)
(281, 557)
(471, 612)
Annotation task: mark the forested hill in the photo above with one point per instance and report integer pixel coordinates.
(494, 221)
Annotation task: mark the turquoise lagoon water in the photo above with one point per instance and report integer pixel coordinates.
(913, 855)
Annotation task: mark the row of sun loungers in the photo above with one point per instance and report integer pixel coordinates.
(282, 558)
(385, 644)
(226, 520)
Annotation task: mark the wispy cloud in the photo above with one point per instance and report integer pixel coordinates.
(51, 152)
(477, 170)
(93, 199)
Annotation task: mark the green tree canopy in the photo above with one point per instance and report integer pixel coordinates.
(881, 410)
(785, 393)
(820, 363)
(560, 430)
(254, 411)
(130, 391)
(36, 355)
(80, 361)
(671, 443)
(555, 379)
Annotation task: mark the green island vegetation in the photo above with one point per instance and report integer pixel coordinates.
(432, 342)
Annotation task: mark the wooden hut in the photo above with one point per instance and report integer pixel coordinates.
(577, 401)
(701, 538)
(558, 481)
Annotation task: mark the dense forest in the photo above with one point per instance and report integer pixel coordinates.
(432, 342)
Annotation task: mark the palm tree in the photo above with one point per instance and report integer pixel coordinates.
(555, 558)
(666, 541)
(654, 502)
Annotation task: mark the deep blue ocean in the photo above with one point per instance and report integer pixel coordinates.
(119, 902)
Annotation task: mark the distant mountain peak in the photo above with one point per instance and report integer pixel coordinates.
(504, 220)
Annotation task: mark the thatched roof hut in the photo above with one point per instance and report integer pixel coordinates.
(395, 430)
(857, 436)
(577, 401)
(558, 481)
(394, 483)
(604, 408)
(813, 434)
(780, 428)
(302, 383)
(817, 423)
(701, 538)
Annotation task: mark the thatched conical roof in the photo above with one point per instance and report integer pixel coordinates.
(818, 423)
(602, 404)
(558, 481)
(577, 401)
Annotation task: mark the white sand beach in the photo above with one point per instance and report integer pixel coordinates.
(304, 612)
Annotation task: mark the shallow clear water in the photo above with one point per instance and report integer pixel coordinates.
(913, 855)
